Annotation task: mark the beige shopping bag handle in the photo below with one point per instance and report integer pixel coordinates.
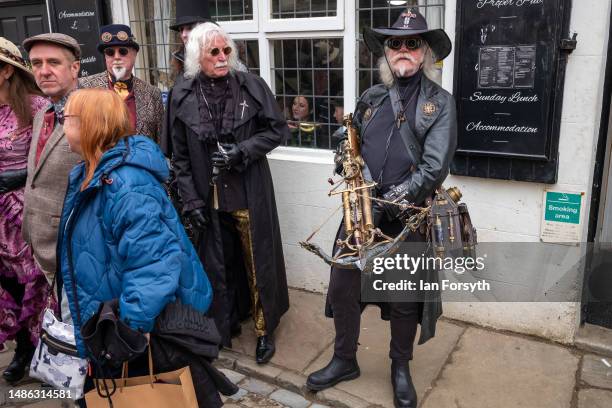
(124, 371)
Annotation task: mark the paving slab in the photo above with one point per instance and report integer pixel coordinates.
(592, 398)
(303, 333)
(290, 399)
(597, 371)
(256, 386)
(595, 339)
(374, 384)
(493, 369)
(232, 375)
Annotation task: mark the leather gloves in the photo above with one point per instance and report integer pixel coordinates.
(12, 180)
(228, 155)
(198, 218)
(396, 194)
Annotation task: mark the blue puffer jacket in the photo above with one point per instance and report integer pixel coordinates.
(122, 238)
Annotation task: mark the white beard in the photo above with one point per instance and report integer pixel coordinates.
(119, 72)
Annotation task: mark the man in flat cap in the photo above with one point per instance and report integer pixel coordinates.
(407, 126)
(144, 101)
(55, 60)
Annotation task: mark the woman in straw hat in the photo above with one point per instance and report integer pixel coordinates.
(23, 287)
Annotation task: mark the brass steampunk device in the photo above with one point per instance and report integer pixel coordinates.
(356, 199)
(445, 221)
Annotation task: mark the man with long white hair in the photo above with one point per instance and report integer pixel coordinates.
(223, 121)
(407, 127)
(144, 101)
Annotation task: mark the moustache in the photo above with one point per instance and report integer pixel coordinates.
(403, 56)
(221, 64)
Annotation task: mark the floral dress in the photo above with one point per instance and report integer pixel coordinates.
(16, 260)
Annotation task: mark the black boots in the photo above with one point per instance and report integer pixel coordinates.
(404, 394)
(17, 368)
(265, 349)
(337, 370)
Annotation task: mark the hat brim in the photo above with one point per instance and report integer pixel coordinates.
(102, 47)
(437, 39)
(17, 65)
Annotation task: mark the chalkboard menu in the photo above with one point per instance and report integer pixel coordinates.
(508, 81)
(80, 19)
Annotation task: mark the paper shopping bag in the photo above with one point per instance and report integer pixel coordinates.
(172, 389)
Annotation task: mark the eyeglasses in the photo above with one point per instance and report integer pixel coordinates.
(110, 52)
(61, 118)
(215, 51)
(412, 43)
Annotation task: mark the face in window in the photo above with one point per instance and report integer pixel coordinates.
(404, 57)
(300, 108)
(55, 69)
(214, 58)
(339, 114)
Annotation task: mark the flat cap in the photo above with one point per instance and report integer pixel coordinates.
(60, 39)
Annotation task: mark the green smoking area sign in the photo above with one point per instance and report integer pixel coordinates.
(563, 207)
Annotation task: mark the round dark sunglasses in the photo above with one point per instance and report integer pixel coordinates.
(215, 51)
(409, 43)
(110, 52)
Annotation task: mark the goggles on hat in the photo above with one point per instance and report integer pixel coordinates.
(226, 50)
(107, 37)
(412, 43)
(110, 52)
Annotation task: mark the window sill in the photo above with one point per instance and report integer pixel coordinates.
(302, 155)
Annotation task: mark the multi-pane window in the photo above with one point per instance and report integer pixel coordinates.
(303, 8)
(307, 80)
(248, 52)
(378, 13)
(150, 21)
(231, 10)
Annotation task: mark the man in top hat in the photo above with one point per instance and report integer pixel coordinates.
(144, 101)
(188, 14)
(55, 60)
(407, 127)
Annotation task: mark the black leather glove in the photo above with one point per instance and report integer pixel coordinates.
(198, 218)
(228, 157)
(12, 180)
(396, 194)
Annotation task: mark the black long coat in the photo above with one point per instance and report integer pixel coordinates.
(257, 130)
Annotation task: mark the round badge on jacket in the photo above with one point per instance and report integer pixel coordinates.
(429, 108)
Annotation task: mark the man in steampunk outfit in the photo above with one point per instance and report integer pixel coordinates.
(144, 101)
(408, 132)
(222, 123)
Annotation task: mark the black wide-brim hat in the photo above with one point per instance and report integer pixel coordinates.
(190, 12)
(410, 22)
(117, 35)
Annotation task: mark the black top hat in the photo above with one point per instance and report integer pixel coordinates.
(116, 35)
(191, 12)
(410, 22)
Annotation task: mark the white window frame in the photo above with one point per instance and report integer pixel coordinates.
(243, 26)
(287, 25)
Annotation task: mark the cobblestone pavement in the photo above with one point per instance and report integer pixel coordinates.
(257, 393)
(252, 393)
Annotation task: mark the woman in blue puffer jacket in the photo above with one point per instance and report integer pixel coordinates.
(120, 236)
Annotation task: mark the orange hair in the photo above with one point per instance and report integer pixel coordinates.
(104, 120)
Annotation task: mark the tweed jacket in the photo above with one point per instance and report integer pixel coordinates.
(149, 107)
(44, 193)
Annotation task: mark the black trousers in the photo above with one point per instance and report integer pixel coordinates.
(344, 295)
(16, 290)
